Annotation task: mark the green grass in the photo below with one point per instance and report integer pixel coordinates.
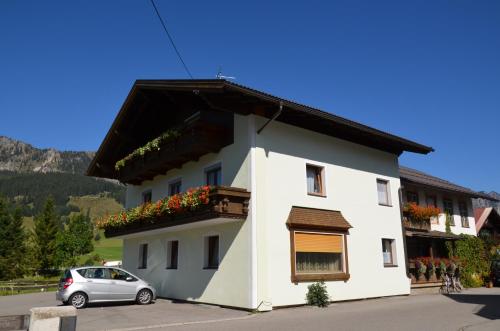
(15, 292)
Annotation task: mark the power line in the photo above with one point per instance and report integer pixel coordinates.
(171, 39)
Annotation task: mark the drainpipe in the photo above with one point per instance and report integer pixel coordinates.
(253, 214)
(407, 262)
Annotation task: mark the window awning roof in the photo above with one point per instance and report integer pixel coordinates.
(432, 234)
(321, 219)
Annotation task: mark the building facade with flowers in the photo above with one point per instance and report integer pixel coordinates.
(435, 213)
(239, 198)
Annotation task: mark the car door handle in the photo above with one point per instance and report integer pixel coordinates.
(89, 281)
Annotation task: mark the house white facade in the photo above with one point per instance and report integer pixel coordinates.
(321, 207)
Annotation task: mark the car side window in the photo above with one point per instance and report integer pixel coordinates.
(97, 273)
(118, 274)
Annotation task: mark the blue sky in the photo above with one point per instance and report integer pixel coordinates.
(425, 70)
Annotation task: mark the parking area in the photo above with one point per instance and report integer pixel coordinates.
(475, 309)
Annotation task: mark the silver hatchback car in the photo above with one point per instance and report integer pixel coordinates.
(80, 286)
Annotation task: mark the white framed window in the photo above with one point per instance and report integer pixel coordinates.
(448, 211)
(384, 197)
(175, 186)
(464, 214)
(315, 176)
(213, 175)
(389, 252)
(143, 256)
(211, 252)
(172, 254)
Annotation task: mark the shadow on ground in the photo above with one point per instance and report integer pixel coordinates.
(490, 303)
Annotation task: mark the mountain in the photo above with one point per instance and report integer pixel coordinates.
(18, 156)
(29, 175)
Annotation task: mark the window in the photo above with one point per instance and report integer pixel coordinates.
(431, 201)
(211, 252)
(448, 210)
(318, 256)
(118, 274)
(389, 252)
(172, 254)
(95, 273)
(383, 192)
(412, 197)
(143, 256)
(147, 196)
(464, 214)
(174, 187)
(213, 175)
(315, 182)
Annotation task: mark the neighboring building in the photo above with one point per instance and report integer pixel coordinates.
(301, 196)
(488, 223)
(455, 204)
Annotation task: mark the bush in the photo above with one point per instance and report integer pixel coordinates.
(474, 260)
(317, 295)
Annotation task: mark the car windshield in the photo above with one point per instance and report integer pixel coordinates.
(66, 274)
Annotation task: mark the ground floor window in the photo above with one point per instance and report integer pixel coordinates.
(318, 256)
(389, 252)
(211, 252)
(172, 254)
(143, 256)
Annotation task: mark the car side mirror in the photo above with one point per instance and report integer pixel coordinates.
(129, 279)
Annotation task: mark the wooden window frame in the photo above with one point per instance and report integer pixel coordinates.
(462, 217)
(321, 181)
(394, 262)
(434, 219)
(387, 192)
(338, 276)
(143, 260)
(170, 250)
(452, 217)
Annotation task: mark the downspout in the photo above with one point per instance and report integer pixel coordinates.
(253, 214)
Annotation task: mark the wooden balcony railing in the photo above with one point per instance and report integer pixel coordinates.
(200, 135)
(225, 202)
(411, 224)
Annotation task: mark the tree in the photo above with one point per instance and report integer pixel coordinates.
(44, 237)
(75, 240)
(12, 242)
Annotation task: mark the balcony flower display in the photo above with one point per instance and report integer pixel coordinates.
(192, 200)
(421, 213)
(153, 145)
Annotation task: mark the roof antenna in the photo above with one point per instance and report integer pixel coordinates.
(220, 76)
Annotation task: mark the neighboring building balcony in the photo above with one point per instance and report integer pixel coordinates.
(194, 206)
(200, 134)
(418, 218)
(413, 224)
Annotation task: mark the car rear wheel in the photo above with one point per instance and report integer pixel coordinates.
(78, 300)
(144, 297)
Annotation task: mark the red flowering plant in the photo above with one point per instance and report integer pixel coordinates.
(176, 204)
(421, 213)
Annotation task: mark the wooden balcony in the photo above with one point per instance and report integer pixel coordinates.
(225, 202)
(201, 134)
(411, 224)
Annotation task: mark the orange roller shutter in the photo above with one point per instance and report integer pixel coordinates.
(318, 243)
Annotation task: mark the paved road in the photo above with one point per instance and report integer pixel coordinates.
(477, 309)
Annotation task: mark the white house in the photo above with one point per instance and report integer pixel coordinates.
(298, 195)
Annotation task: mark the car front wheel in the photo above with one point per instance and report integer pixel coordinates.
(144, 297)
(78, 300)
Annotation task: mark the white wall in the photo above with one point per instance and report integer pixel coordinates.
(441, 225)
(351, 172)
(230, 284)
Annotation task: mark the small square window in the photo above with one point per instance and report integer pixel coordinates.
(383, 192)
(147, 196)
(143, 256)
(412, 197)
(315, 180)
(389, 252)
(174, 187)
(213, 175)
(172, 254)
(211, 252)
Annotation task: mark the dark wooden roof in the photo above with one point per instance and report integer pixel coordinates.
(432, 234)
(413, 176)
(153, 106)
(312, 218)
